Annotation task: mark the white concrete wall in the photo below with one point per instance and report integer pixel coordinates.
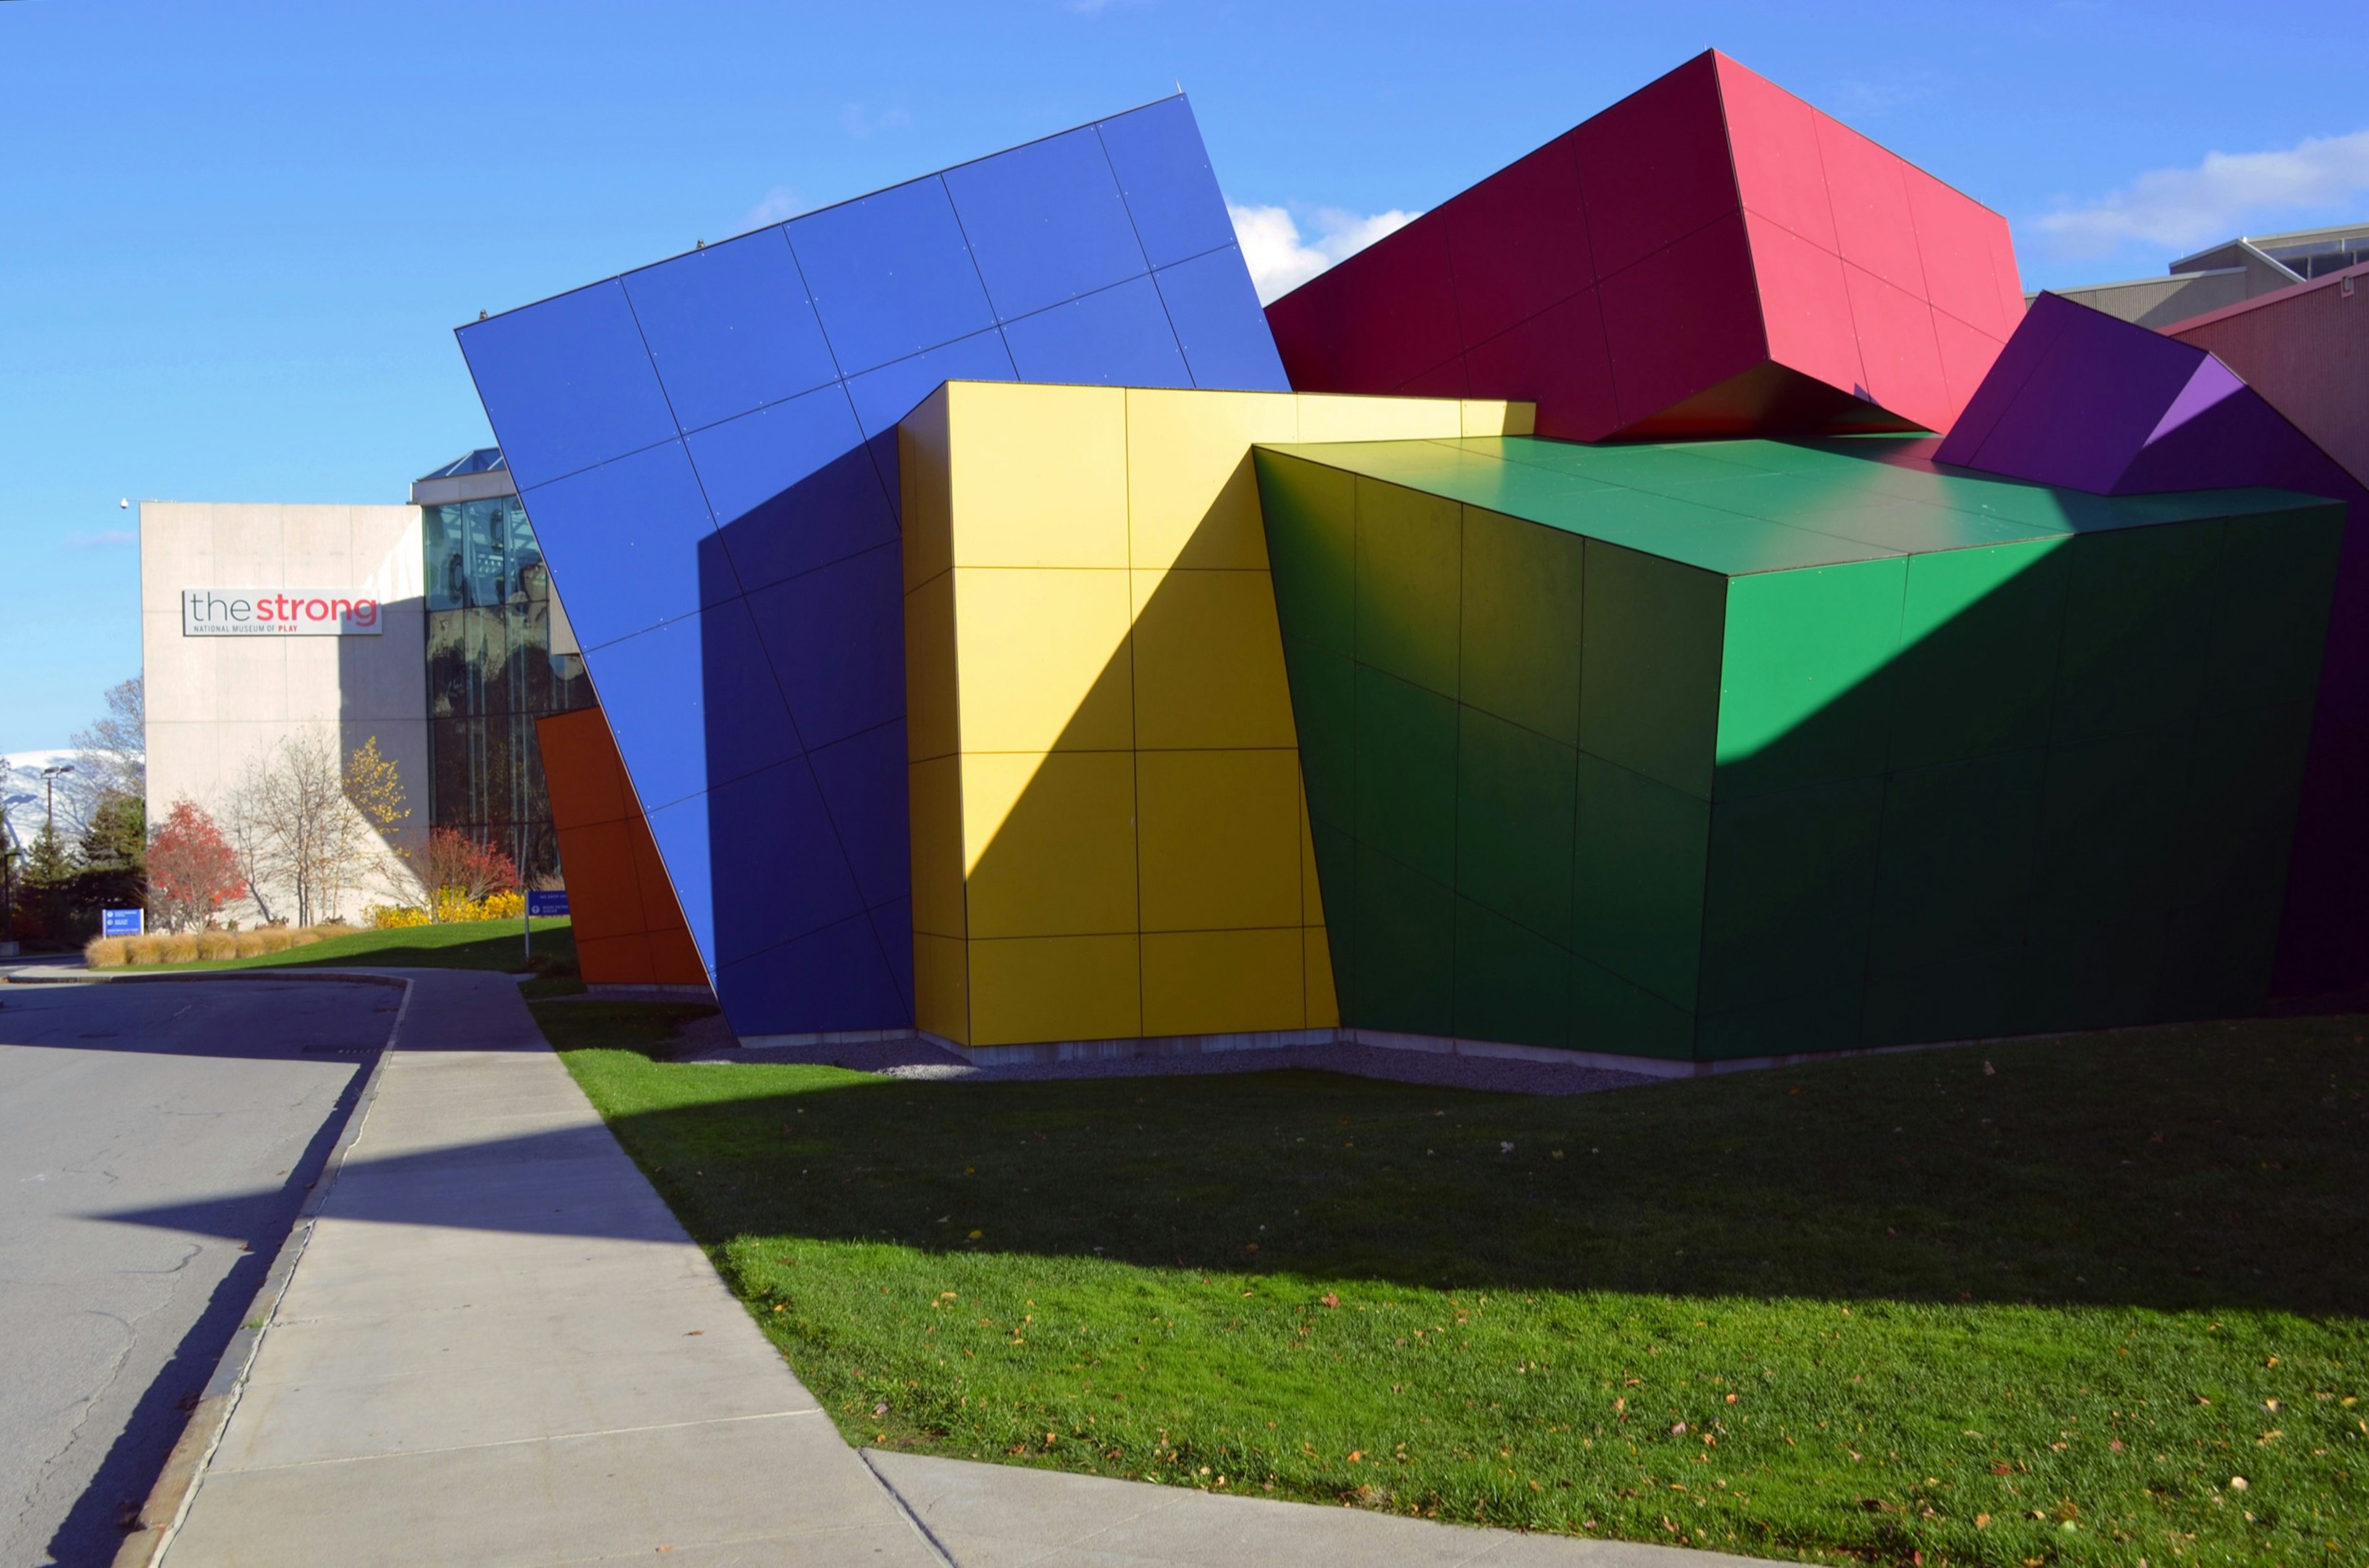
(217, 704)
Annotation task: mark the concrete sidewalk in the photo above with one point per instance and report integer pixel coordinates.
(500, 1348)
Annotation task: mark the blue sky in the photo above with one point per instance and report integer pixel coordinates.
(235, 237)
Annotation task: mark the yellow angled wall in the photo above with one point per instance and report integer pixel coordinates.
(1109, 830)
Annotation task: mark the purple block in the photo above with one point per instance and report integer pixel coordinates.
(2081, 399)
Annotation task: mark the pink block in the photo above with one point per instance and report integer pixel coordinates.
(1654, 167)
(1872, 219)
(1807, 304)
(1774, 138)
(1519, 242)
(1897, 345)
(1687, 319)
(1959, 245)
(1559, 360)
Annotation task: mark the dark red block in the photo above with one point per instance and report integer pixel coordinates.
(1752, 266)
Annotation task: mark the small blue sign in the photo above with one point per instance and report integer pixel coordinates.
(541, 905)
(122, 923)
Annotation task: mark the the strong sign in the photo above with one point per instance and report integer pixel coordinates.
(278, 612)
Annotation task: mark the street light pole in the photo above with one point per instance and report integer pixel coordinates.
(49, 805)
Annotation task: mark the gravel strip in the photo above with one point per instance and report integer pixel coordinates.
(921, 1060)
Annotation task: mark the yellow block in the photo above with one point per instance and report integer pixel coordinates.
(924, 477)
(1039, 474)
(1324, 417)
(1041, 660)
(1222, 982)
(942, 987)
(933, 810)
(1050, 841)
(1191, 497)
(1030, 989)
(1208, 654)
(932, 695)
(1486, 419)
(1219, 839)
(1110, 834)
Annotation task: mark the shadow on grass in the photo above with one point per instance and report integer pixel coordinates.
(2185, 1168)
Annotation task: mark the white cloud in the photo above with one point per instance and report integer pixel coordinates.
(860, 122)
(2220, 198)
(105, 539)
(779, 205)
(1281, 259)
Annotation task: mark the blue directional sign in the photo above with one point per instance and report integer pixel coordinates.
(542, 905)
(122, 923)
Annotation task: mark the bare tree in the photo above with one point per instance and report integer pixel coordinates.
(114, 750)
(296, 832)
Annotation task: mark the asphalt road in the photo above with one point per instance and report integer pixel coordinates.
(126, 1112)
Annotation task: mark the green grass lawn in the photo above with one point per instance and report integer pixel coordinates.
(462, 945)
(2024, 1303)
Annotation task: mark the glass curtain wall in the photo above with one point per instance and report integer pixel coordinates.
(491, 674)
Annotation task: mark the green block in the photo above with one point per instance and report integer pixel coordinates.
(1514, 818)
(1406, 773)
(1520, 623)
(1409, 545)
(1640, 853)
(2270, 615)
(2110, 842)
(1791, 892)
(1823, 1020)
(1405, 949)
(1511, 984)
(1324, 712)
(1336, 883)
(1976, 671)
(1312, 530)
(1731, 749)
(2137, 607)
(2243, 786)
(1803, 696)
(1960, 847)
(1611, 1015)
(1649, 666)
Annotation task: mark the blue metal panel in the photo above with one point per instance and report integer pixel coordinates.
(1164, 173)
(729, 328)
(1216, 312)
(893, 924)
(622, 542)
(890, 393)
(1046, 222)
(748, 726)
(837, 641)
(890, 274)
(680, 832)
(654, 694)
(778, 871)
(1119, 337)
(862, 783)
(792, 486)
(785, 493)
(567, 382)
(831, 979)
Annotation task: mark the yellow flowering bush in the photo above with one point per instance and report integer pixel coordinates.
(450, 907)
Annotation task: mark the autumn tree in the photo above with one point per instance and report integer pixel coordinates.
(192, 869)
(452, 866)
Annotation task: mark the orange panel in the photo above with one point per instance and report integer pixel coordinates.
(629, 930)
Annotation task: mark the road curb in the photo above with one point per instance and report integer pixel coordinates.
(268, 972)
(177, 1483)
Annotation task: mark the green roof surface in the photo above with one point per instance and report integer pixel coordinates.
(1739, 507)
